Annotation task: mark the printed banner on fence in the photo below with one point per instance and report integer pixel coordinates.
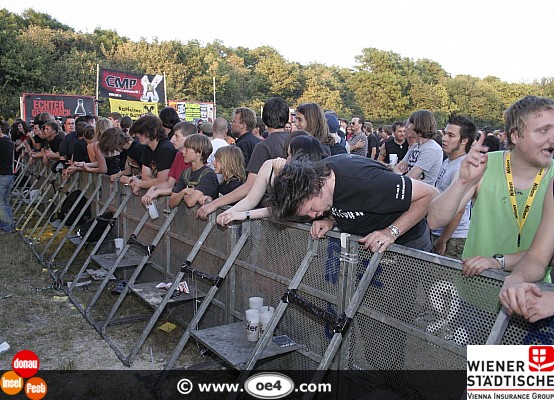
(59, 105)
(134, 109)
(194, 110)
(128, 86)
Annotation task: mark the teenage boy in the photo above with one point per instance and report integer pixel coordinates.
(199, 179)
(181, 131)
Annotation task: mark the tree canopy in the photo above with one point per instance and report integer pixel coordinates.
(42, 55)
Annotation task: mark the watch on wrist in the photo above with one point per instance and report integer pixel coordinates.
(247, 214)
(394, 231)
(500, 258)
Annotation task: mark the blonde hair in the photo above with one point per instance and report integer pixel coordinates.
(232, 163)
(102, 125)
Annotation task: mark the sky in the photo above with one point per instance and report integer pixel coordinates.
(512, 40)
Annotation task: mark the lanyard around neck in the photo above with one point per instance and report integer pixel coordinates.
(512, 193)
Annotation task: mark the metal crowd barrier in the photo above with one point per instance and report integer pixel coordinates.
(414, 310)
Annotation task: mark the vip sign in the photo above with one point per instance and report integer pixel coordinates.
(510, 372)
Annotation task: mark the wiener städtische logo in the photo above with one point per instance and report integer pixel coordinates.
(510, 372)
(25, 365)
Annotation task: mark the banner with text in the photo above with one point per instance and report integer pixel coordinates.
(194, 110)
(59, 105)
(134, 109)
(128, 86)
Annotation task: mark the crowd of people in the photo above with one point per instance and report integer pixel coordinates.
(481, 196)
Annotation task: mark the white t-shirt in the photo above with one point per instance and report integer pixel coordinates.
(449, 171)
(216, 144)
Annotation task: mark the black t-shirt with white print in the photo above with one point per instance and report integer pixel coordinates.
(368, 197)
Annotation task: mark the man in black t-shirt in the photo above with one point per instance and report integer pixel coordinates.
(157, 157)
(242, 125)
(396, 144)
(358, 194)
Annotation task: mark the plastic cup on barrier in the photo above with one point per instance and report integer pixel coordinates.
(255, 302)
(393, 159)
(265, 317)
(119, 243)
(252, 325)
(267, 309)
(153, 211)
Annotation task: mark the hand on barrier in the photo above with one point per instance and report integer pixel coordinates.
(229, 216)
(205, 200)
(475, 265)
(514, 296)
(539, 307)
(149, 197)
(378, 240)
(205, 210)
(320, 228)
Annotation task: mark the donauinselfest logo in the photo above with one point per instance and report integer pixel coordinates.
(25, 364)
(510, 372)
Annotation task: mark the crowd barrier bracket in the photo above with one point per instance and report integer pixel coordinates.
(33, 204)
(118, 263)
(205, 303)
(137, 289)
(338, 335)
(18, 191)
(53, 201)
(68, 235)
(119, 210)
(23, 193)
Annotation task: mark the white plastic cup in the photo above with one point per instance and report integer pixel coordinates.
(153, 211)
(252, 325)
(265, 317)
(255, 302)
(267, 309)
(119, 243)
(393, 159)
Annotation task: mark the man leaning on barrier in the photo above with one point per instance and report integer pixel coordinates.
(358, 194)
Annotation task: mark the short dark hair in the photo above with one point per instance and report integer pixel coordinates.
(54, 125)
(468, 129)
(186, 128)
(126, 122)
(115, 115)
(150, 126)
(361, 119)
(492, 142)
(80, 128)
(275, 113)
(295, 184)
(397, 124)
(169, 117)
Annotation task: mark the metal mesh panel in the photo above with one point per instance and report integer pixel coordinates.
(410, 299)
(519, 331)
(323, 275)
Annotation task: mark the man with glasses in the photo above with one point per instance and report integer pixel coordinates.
(358, 142)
